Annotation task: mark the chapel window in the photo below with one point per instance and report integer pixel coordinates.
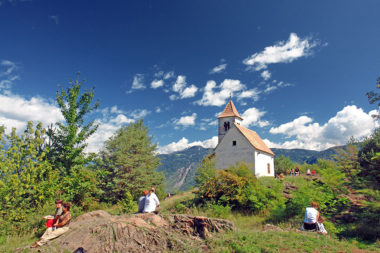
(233, 143)
(268, 168)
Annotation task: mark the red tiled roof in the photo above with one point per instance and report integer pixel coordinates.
(254, 139)
(230, 111)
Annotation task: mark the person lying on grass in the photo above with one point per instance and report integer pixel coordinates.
(62, 226)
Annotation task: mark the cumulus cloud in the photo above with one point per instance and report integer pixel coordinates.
(138, 83)
(113, 118)
(215, 95)
(187, 120)
(281, 52)
(219, 68)
(157, 83)
(184, 144)
(181, 88)
(252, 117)
(350, 121)
(266, 75)
(16, 111)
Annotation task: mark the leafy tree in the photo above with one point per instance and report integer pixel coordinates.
(130, 163)
(347, 161)
(368, 158)
(27, 180)
(68, 140)
(283, 164)
(206, 170)
(374, 97)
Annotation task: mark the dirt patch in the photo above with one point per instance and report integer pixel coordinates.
(101, 232)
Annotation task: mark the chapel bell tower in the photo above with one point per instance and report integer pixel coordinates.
(227, 119)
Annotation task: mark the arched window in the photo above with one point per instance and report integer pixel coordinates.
(268, 168)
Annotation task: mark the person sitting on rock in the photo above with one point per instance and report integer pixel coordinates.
(52, 219)
(62, 226)
(311, 217)
(151, 202)
(142, 201)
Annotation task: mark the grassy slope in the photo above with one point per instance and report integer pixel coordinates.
(250, 235)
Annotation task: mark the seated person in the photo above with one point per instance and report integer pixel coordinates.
(52, 219)
(62, 226)
(142, 201)
(297, 171)
(321, 227)
(311, 217)
(151, 202)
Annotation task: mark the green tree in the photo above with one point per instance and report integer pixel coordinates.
(283, 164)
(130, 163)
(347, 161)
(368, 158)
(374, 98)
(68, 140)
(206, 170)
(27, 180)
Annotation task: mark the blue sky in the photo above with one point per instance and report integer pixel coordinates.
(297, 70)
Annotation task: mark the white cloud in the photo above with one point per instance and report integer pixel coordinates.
(219, 68)
(112, 120)
(180, 87)
(253, 94)
(7, 75)
(252, 117)
(169, 75)
(189, 92)
(271, 87)
(157, 83)
(226, 89)
(139, 113)
(350, 121)
(180, 84)
(138, 82)
(187, 120)
(281, 52)
(184, 144)
(16, 111)
(266, 75)
(158, 109)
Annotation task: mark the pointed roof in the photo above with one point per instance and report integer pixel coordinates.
(254, 139)
(230, 111)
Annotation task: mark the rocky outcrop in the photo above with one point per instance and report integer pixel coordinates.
(101, 232)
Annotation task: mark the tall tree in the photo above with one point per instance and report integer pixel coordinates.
(27, 180)
(68, 140)
(374, 98)
(130, 160)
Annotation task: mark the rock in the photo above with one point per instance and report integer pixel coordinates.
(101, 232)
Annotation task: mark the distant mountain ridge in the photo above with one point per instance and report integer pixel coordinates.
(180, 167)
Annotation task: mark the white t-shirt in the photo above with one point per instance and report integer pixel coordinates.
(310, 215)
(151, 202)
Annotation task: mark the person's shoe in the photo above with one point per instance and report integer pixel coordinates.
(35, 245)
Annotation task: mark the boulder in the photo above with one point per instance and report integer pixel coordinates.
(101, 232)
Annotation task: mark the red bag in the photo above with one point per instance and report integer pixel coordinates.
(49, 223)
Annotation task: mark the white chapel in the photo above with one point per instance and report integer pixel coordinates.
(239, 144)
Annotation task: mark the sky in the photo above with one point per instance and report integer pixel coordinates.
(297, 71)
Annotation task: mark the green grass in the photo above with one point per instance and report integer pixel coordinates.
(248, 237)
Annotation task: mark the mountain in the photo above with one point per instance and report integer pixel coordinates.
(180, 167)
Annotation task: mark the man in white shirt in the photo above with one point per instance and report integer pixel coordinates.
(151, 202)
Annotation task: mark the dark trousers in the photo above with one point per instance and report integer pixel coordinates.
(310, 226)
